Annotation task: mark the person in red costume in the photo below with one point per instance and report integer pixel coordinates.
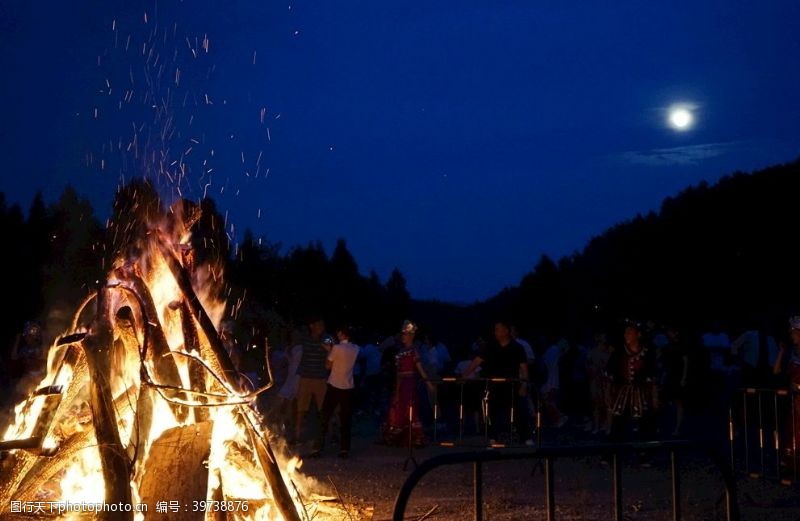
(634, 400)
(403, 411)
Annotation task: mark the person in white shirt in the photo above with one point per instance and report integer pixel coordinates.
(529, 354)
(550, 388)
(757, 351)
(341, 360)
(719, 345)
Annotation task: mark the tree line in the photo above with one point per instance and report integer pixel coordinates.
(714, 252)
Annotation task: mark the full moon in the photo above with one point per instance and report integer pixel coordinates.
(680, 118)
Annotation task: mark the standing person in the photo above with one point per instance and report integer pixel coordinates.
(788, 363)
(725, 367)
(435, 359)
(404, 409)
(633, 372)
(550, 388)
(526, 346)
(599, 385)
(389, 348)
(313, 374)
(29, 357)
(371, 383)
(341, 361)
(676, 375)
(287, 408)
(505, 359)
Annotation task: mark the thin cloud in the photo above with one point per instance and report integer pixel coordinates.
(682, 156)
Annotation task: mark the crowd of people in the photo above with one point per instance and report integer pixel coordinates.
(636, 381)
(639, 381)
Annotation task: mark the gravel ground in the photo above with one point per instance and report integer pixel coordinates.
(369, 480)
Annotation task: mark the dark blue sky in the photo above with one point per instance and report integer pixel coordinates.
(457, 141)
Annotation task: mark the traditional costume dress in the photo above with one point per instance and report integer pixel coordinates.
(403, 409)
(633, 375)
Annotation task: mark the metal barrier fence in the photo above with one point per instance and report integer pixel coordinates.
(550, 454)
(763, 433)
(474, 395)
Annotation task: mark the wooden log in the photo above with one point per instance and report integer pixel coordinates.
(191, 343)
(175, 471)
(24, 461)
(46, 468)
(263, 450)
(38, 474)
(268, 462)
(220, 355)
(166, 370)
(13, 470)
(143, 416)
(116, 468)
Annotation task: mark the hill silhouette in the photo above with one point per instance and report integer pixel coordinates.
(713, 253)
(719, 253)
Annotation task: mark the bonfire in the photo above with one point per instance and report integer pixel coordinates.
(141, 407)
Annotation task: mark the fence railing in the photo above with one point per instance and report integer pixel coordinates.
(764, 433)
(456, 398)
(550, 454)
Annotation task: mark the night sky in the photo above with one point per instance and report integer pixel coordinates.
(456, 141)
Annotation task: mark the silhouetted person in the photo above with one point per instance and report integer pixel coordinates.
(788, 363)
(633, 371)
(313, 374)
(505, 358)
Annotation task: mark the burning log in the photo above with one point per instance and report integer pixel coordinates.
(24, 461)
(116, 468)
(220, 355)
(261, 445)
(47, 468)
(165, 368)
(191, 343)
(133, 432)
(176, 470)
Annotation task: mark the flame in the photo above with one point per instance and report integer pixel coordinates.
(83, 480)
(233, 469)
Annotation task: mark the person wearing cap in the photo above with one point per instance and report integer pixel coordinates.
(788, 363)
(402, 424)
(635, 400)
(312, 372)
(341, 361)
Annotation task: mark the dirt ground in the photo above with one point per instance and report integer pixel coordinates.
(369, 480)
